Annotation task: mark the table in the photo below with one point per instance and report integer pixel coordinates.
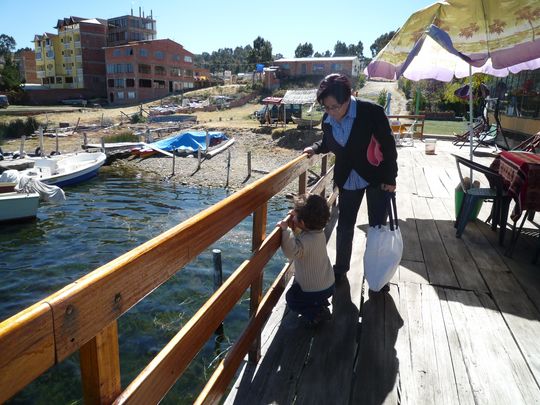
(520, 172)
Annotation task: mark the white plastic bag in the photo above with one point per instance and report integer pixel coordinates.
(384, 248)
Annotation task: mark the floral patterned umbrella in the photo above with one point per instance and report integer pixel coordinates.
(457, 38)
(443, 40)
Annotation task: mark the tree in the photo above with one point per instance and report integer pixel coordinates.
(303, 50)
(327, 54)
(9, 76)
(381, 42)
(261, 52)
(356, 50)
(7, 45)
(340, 49)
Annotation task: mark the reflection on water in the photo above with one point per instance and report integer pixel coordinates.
(101, 220)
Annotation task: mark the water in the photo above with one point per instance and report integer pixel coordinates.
(101, 220)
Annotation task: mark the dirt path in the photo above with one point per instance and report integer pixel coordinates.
(398, 102)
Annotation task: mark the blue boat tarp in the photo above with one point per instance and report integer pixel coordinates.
(190, 141)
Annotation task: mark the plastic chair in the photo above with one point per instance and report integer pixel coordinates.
(495, 193)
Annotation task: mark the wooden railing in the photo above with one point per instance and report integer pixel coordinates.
(83, 315)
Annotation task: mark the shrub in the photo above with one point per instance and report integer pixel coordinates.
(382, 97)
(15, 129)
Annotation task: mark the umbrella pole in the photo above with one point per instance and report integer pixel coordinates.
(471, 131)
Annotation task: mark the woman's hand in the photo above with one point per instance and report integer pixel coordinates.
(309, 150)
(388, 187)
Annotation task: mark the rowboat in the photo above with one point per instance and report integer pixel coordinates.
(17, 206)
(66, 170)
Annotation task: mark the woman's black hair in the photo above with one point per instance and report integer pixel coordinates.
(336, 85)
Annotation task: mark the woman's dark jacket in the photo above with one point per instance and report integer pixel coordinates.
(370, 121)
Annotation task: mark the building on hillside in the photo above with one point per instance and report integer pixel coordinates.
(146, 70)
(129, 28)
(74, 57)
(297, 67)
(26, 62)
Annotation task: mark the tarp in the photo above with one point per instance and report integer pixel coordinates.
(190, 141)
(272, 100)
(304, 96)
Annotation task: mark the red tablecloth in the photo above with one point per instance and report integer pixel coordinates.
(521, 175)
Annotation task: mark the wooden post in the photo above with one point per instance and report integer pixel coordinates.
(103, 145)
(56, 139)
(198, 158)
(41, 141)
(173, 162)
(258, 235)
(249, 164)
(302, 183)
(100, 367)
(228, 167)
(324, 170)
(85, 140)
(21, 149)
(218, 280)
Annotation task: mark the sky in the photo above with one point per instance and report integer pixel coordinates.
(209, 25)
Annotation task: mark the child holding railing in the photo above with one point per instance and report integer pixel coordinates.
(303, 241)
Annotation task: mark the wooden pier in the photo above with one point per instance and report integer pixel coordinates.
(459, 326)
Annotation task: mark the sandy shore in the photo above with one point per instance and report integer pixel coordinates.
(268, 152)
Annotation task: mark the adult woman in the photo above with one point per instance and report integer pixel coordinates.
(359, 135)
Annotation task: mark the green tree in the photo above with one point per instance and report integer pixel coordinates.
(381, 42)
(261, 52)
(340, 49)
(7, 45)
(356, 50)
(303, 50)
(9, 76)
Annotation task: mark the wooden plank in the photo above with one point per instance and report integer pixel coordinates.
(100, 367)
(411, 272)
(27, 347)
(461, 260)
(405, 180)
(422, 378)
(422, 186)
(437, 262)
(412, 249)
(490, 374)
(375, 380)
(433, 177)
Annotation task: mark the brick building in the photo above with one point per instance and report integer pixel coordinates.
(145, 70)
(26, 63)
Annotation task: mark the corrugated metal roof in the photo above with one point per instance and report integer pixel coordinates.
(304, 96)
(322, 59)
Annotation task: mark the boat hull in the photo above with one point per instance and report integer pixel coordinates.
(18, 207)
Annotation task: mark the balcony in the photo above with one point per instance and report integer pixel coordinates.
(68, 59)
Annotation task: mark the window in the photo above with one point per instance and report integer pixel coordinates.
(119, 68)
(120, 95)
(159, 84)
(175, 57)
(145, 83)
(69, 79)
(110, 68)
(50, 54)
(110, 82)
(175, 72)
(143, 52)
(159, 54)
(117, 52)
(131, 95)
(59, 80)
(160, 70)
(336, 67)
(38, 55)
(318, 68)
(129, 68)
(188, 59)
(130, 82)
(145, 68)
(129, 51)
(119, 83)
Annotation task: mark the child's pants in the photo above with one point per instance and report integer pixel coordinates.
(308, 304)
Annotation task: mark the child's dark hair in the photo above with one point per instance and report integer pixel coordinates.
(313, 210)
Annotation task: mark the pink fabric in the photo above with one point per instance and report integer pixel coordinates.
(374, 152)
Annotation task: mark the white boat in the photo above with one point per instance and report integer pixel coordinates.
(18, 206)
(65, 170)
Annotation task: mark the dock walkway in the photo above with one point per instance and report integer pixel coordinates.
(459, 326)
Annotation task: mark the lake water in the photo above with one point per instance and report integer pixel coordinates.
(100, 220)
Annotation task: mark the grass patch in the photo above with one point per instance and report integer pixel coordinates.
(444, 127)
(123, 137)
